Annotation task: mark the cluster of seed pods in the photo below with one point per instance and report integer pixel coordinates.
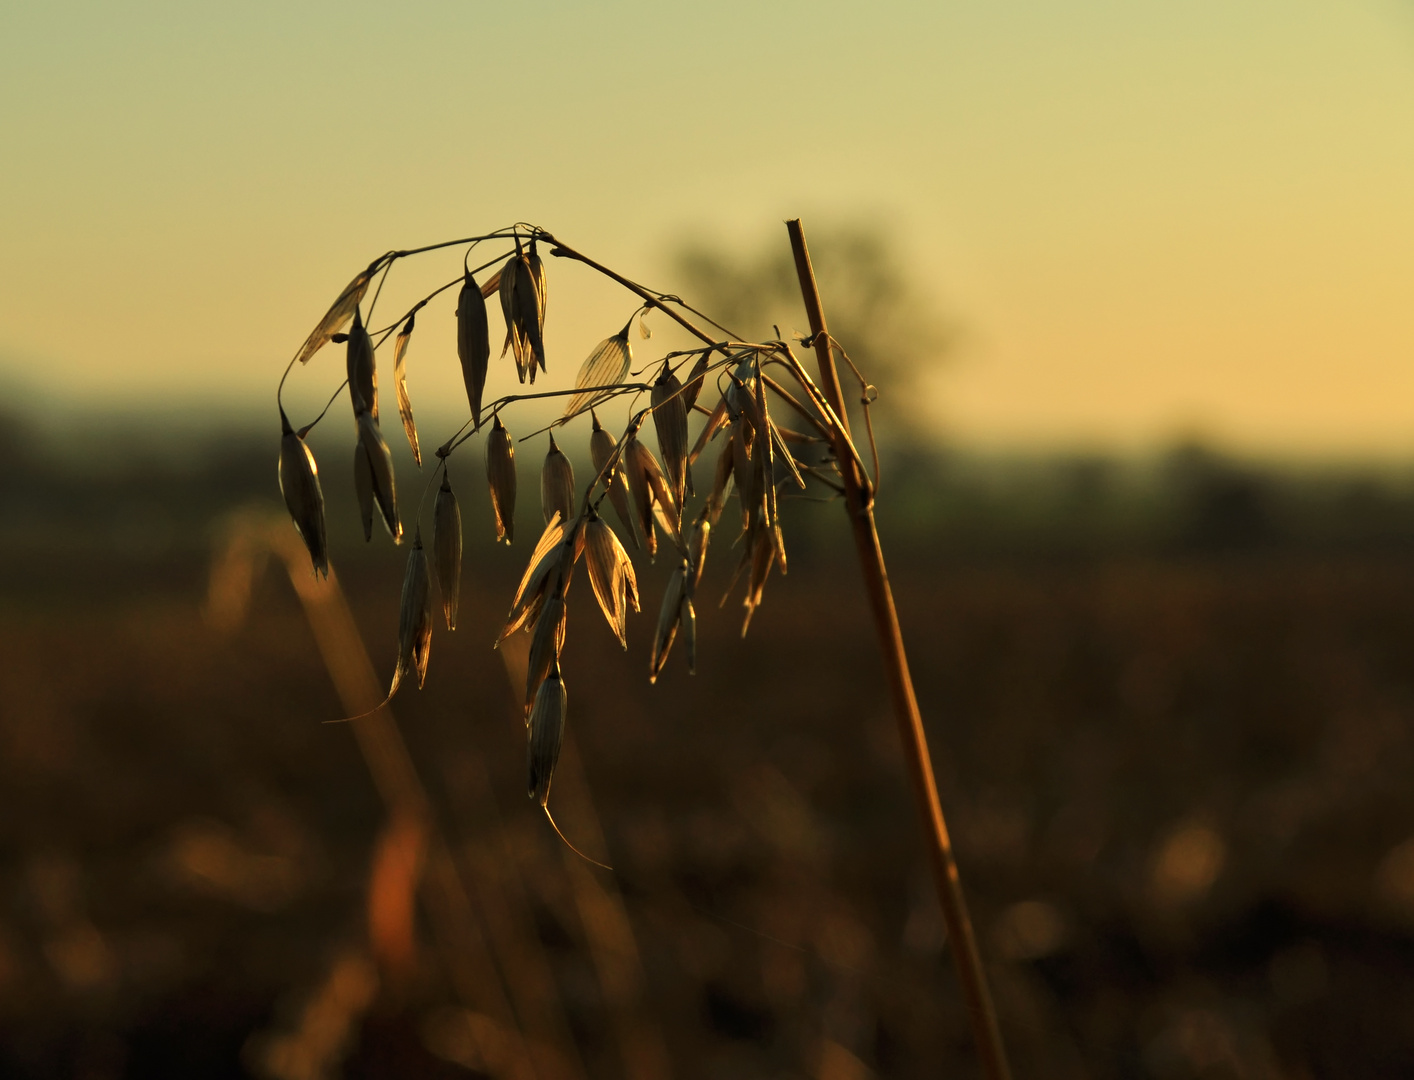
(648, 492)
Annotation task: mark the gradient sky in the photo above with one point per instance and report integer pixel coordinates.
(1149, 218)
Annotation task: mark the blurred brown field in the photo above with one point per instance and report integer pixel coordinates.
(1177, 774)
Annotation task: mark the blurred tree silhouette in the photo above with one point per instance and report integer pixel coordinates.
(890, 327)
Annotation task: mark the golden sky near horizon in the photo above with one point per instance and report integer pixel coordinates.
(1148, 219)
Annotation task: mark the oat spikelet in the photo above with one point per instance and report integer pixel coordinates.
(697, 549)
(501, 474)
(447, 548)
(545, 646)
(363, 379)
(530, 307)
(473, 343)
(304, 499)
(380, 462)
(670, 421)
(545, 562)
(414, 618)
(652, 498)
(601, 449)
(722, 481)
(610, 575)
(695, 379)
(669, 616)
(547, 734)
(556, 484)
(507, 291)
(338, 314)
(400, 386)
(605, 366)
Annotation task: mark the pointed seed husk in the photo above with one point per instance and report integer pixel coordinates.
(556, 484)
(501, 474)
(400, 387)
(363, 379)
(473, 343)
(304, 498)
(670, 421)
(530, 312)
(380, 462)
(447, 548)
(544, 562)
(414, 618)
(363, 486)
(601, 449)
(545, 645)
(669, 615)
(338, 314)
(605, 366)
(508, 311)
(546, 735)
(610, 575)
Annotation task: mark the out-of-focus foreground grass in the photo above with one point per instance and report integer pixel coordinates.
(1172, 712)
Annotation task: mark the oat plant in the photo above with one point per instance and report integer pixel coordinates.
(764, 425)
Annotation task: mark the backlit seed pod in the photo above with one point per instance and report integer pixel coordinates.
(507, 290)
(763, 556)
(304, 499)
(501, 474)
(697, 549)
(545, 646)
(669, 615)
(601, 449)
(695, 379)
(530, 312)
(605, 366)
(380, 462)
(363, 485)
(537, 275)
(652, 499)
(473, 343)
(447, 548)
(742, 471)
(722, 482)
(363, 379)
(547, 734)
(689, 634)
(414, 618)
(400, 387)
(742, 387)
(610, 574)
(670, 421)
(556, 484)
(338, 313)
(541, 575)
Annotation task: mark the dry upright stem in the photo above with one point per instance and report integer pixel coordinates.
(915, 743)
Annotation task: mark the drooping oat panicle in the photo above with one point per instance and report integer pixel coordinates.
(670, 421)
(447, 548)
(530, 310)
(544, 565)
(380, 462)
(414, 618)
(610, 575)
(669, 616)
(601, 449)
(338, 314)
(545, 645)
(547, 734)
(605, 366)
(652, 499)
(304, 498)
(363, 486)
(501, 474)
(556, 484)
(400, 386)
(473, 343)
(363, 379)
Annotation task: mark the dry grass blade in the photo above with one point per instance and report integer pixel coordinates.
(501, 476)
(304, 498)
(556, 484)
(338, 314)
(400, 386)
(546, 735)
(545, 646)
(363, 379)
(414, 618)
(601, 449)
(610, 575)
(363, 486)
(670, 421)
(473, 343)
(669, 615)
(605, 366)
(544, 559)
(447, 548)
(380, 461)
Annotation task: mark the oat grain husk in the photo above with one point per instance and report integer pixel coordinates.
(400, 387)
(363, 379)
(670, 422)
(380, 462)
(545, 645)
(447, 549)
(344, 306)
(610, 575)
(546, 735)
(304, 498)
(669, 616)
(363, 487)
(473, 343)
(501, 475)
(414, 618)
(556, 484)
(601, 449)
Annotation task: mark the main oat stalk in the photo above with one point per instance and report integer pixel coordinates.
(743, 382)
